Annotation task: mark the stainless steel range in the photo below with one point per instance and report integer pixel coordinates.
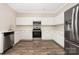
(36, 29)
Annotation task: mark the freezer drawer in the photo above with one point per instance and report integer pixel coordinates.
(71, 48)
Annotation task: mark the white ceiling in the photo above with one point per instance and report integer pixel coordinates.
(37, 7)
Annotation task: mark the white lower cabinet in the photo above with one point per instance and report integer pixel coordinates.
(59, 38)
(23, 35)
(17, 36)
(27, 35)
(1, 43)
(46, 35)
(54, 36)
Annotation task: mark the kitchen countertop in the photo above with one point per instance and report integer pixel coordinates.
(5, 31)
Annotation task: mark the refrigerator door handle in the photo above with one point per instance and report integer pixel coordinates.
(76, 22)
(72, 25)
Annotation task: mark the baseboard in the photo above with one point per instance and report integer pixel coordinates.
(58, 44)
(32, 39)
(16, 43)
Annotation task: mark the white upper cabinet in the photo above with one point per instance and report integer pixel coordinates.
(59, 19)
(29, 20)
(24, 21)
(47, 21)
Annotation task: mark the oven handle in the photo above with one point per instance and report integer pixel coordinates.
(76, 22)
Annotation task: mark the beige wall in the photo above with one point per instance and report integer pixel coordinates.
(7, 17)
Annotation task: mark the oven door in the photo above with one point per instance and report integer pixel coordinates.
(36, 34)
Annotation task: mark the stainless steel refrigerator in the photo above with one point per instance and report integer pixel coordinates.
(71, 27)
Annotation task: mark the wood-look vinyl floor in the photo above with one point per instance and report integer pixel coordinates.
(44, 47)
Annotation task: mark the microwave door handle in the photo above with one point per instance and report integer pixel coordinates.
(76, 22)
(72, 25)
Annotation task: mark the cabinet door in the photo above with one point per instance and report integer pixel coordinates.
(17, 36)
(26, 34)
(1, 42)
(49, 21)
(59, 19)
(24, 21)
